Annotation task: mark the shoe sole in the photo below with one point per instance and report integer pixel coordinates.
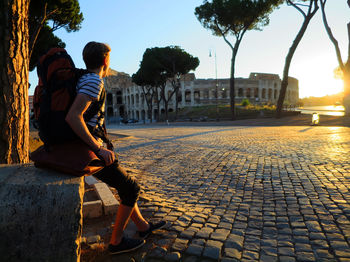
(128, 250)
(153, 231)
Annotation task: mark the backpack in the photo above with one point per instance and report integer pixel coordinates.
(54, 95)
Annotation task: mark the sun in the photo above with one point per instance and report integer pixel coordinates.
(316, 77)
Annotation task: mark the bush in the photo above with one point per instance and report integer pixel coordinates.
(245, 102)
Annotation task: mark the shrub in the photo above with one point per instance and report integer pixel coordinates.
(245, 102)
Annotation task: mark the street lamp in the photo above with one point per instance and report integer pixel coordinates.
(216, 85)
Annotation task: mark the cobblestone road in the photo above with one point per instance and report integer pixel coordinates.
(242, 193)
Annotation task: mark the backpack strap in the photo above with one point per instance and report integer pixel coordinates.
(101, 132)
(96, 109)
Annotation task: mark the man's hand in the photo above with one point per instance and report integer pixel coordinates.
(107, 155)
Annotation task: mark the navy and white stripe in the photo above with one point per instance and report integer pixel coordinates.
(91, 84)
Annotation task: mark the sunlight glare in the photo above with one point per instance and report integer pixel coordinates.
(318, 80)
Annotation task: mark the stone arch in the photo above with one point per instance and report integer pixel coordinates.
(143, 115)
(121, 111)
(109, 99)
(110, 112)
(142, 99)
(137, 99)
(270, 94)
(248, 94)
(196, 95)
(179, 97)
(187, 96)
(256, 92)
(119, 97)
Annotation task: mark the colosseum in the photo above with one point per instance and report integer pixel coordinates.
(125, 100)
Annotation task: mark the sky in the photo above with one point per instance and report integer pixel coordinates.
(130, 27)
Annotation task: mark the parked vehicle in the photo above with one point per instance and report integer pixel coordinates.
(132, 120)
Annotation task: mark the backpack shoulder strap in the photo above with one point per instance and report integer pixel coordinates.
(96, 107)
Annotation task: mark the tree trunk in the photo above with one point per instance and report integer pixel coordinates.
(158, 105)
(14, 111)
(346, 79)
(288, 61)
(166, 110)
(150, 108)
(176, 98)
(232, 86)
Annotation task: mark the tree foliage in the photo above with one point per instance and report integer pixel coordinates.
(235, 18)
(162, 64)
(47, 16)
(168, 62)
(45, 41)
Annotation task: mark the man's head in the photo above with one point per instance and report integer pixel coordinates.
(96, 56)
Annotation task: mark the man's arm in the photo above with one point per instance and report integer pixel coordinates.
(76, 121)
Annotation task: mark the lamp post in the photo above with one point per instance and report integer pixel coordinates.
(216, 86)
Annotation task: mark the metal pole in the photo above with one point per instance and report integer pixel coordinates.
(216, 86)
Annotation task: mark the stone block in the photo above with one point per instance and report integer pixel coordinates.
(110, 203)
(92, 209)
(41, 214)
(90, 180)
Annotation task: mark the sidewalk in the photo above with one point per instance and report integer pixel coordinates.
(249, 190)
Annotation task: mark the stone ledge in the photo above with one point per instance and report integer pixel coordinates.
(110, 203)
(41, 214)
(92, 209)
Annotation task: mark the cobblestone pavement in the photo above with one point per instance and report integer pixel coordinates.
(242, 193)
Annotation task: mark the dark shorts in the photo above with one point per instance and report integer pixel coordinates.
(127, 187)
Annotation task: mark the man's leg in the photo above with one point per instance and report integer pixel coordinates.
(128, 190)
(144, 228)
(122, 218)
(121, 221)
(138, 219)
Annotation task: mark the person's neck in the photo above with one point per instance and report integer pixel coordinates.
(97, 71)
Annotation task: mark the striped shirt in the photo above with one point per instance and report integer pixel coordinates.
(92, 85)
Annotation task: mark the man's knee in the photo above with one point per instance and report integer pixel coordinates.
(129, 193)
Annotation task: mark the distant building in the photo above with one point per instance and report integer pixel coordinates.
(31, 108)
(126, 100)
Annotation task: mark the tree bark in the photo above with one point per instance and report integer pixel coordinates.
(158, 103)
(14, 111)
(346, 77)
(232, 86)
(284, 84)
(346, 80)
(232, 75)
(176, 104)
(148, 101)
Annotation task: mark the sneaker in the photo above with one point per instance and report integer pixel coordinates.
(126, 245)
(152, 227)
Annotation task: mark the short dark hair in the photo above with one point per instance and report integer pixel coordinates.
(94, 54)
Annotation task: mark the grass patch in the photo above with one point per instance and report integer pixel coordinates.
(223, 112)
